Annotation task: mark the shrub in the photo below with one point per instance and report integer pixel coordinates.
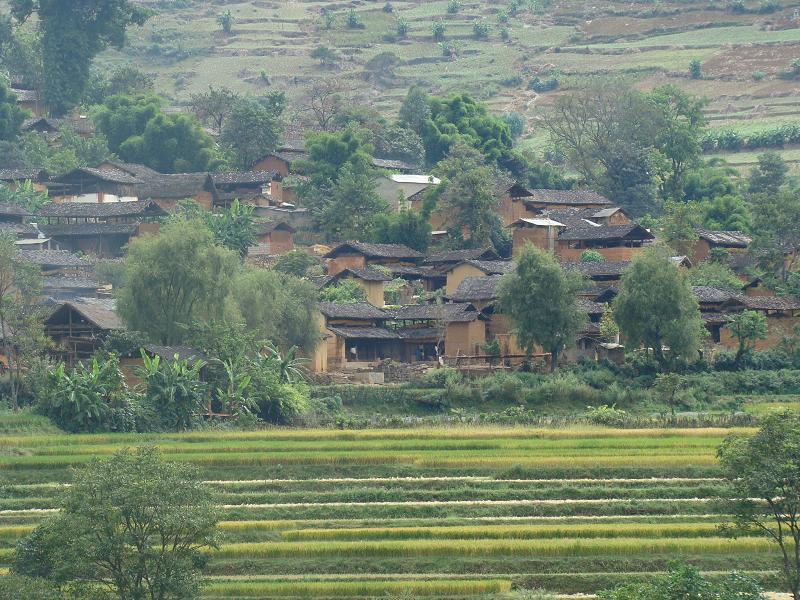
(505, 35)
(438, 30)
(758, 75)
(515, 122)
(402, 28)
(502, 387)
(353, 19)
(540, 85)
(695, 69)
(609, 416)
(453, 7)
(388, 8)
(440, 378)
(480, 30)
(588, 256)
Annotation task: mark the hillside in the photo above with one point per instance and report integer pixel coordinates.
(745, 50)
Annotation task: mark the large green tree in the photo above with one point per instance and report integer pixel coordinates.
(776, 225)
(252, 129)
(173, 279)
(138, 131)
(762, 472)
(461, 118)
(554, 318)
(133, 524)
(73, 33)
(656, 309)
(278, 307)
(405, 227)
(11, 115)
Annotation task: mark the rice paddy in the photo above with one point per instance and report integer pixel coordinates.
(426, 513)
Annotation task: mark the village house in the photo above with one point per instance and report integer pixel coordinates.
(94, 186)
(98, 229)
(404, 191)
(358, 255)
(11, 178)
(513, 202)
(254, 188)
(539, 200)
(272, 238)
(353, 334)
(51, 127)
(733, 242)
(55, 262)
(372, 281)
(474, 268)
(13, 220)
(80, 326)
(28, 99)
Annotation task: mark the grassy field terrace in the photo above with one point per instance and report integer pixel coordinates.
(425, 513)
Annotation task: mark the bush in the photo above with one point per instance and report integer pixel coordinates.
(695, 69)
(481, 30)
(437, 30)
(540, 85)
(502, 387)
(453, 7)
(353, 19)
(758, 75)
(440, 378)
(608, 416)
(515, 122)
(591, 256)
(402, 28)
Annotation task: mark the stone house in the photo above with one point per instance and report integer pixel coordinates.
(358, 255)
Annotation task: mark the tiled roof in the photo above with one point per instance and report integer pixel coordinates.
(177, 186)
(245, 177)
(86, 229)
(99, 209)
(137, 170)
(366, 274)
(707, 294)
(18, 228)
(728, 239)
(771, 302)
(376, 250)
(593, 308)
(110, 175)
(421, 272)
(454, 256)
(101, 313)
(355, 310)
(385, 163)
(605, 268)
(419, 333)
(492, 267)
(52, 258)
(448, 313)
(477, 288)
(11, 210)
(25, 95)
(270, 226)
(22, 174)
(66, 282)
(610, 232)
(365, 333)
(567, 197)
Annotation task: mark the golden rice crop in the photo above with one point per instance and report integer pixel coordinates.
(494, 547)
(442, 588)
(11, 532)
(595, 530)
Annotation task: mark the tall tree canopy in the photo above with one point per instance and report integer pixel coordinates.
(555, 318)
(174, 279)
(656, 309)
(138, 131)
(11, 115)
(252, 129)
(73, 33)
(462, 118)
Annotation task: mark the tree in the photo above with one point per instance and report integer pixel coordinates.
(72, 35)
(174, 279)
(405, 227)
(415, 110)
(684, 583)
(352, 209)
(762, 473)
(678, 227)
(460, 118)
(747, 327)
(328, 153)
(667, 388)
(714, 274)
(555, 318)
(695, 68)
(516, 123)
(323, 101)
(402, 28)
(234, 228)
(769, 175)
(398, 143)
(251, 131)
(466, 197)
(139, 132)
(437, 30)
(656, 309)
(609, 330)
(20, 314)
(726, 213)
(11, 115)
(278, 307)
(173, 389)
(71, 151)
(325, 56)
(776, 225)
(295, 262)
(134, 524)
(212, 107)
(226, 21)
(344, 292)
(353, 19)
(15, 587)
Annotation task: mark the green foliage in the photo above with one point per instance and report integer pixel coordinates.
(233, 228)
(678, 227)
(695, 68)
(714, 274)
(592, 256)
(173, 389)
(555, 319)
(415, 110)
(453, 7)
(139, 132)
(16, 587)
(85, 32)
(174, 279)
(252, 129)
(276, 307)
(405, 227)
(605, 415)
(769, 175)
(352, 209)
(325, 56)
(437, 30)
(24, 196)
(91, 397)
(747, 327)
(763, 488)
(134, 523)
(726, 213)
(776, 225)
(295, 262)
(480, 30)
(402, 28)
(226, 21)
(214, 106)
(344, 292)
(11, 115)
(656, 309)
(609, 330)
(516, 123)
(460, 118)
(684, 582)
(353, 19)
(399, 143)
(36, 151)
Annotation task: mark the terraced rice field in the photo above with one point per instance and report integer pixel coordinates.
(429, 513)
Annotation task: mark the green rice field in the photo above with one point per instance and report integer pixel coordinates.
(424, 513)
